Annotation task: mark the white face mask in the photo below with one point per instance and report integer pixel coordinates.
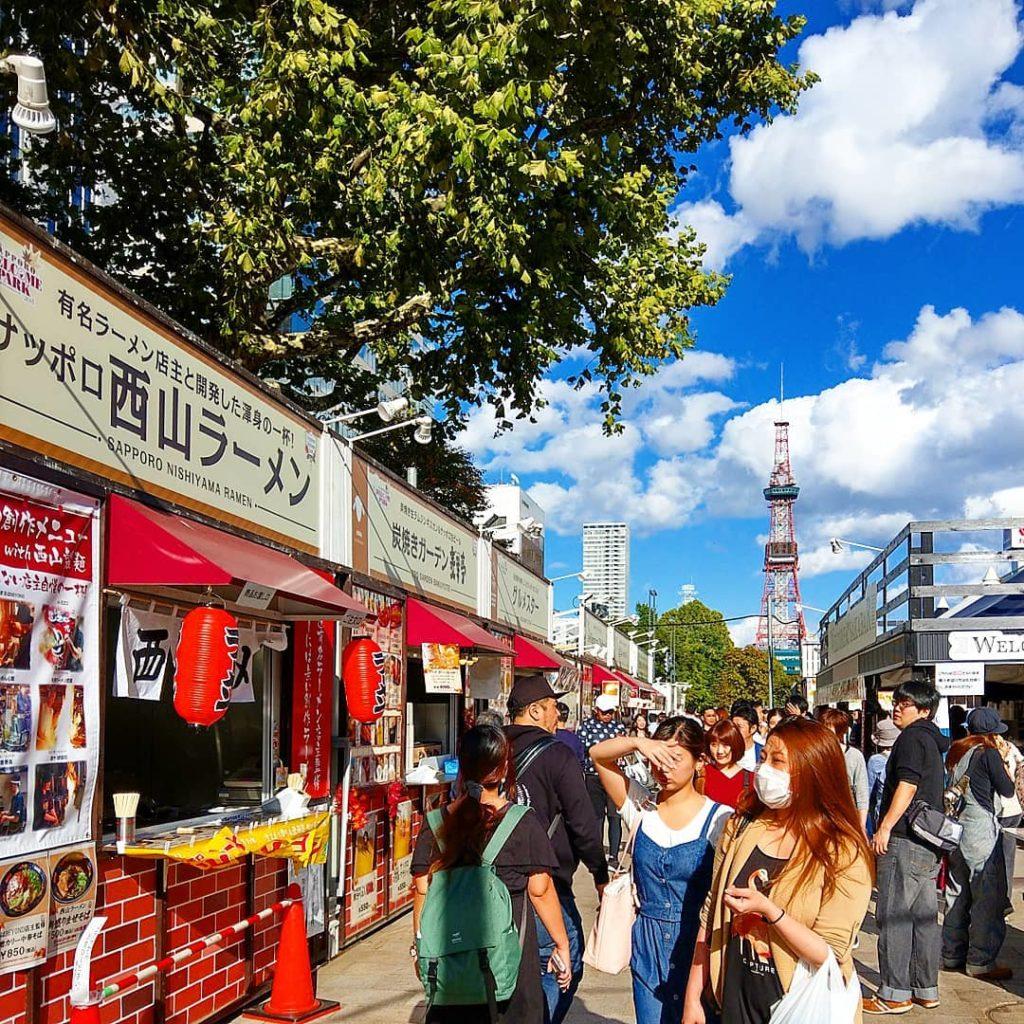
(772, 786)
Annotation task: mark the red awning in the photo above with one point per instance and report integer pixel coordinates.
(533, 654)
(427, 624)
(154, 549)
(603, 675)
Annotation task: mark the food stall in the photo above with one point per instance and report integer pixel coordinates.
(150, 491)
(417, 567)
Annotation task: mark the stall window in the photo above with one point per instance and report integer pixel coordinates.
(182, 771)
(432, 715)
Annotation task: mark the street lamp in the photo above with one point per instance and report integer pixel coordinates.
(839, 545)
(32, 110)
(423, 434)
(386, 410)
(584, 575)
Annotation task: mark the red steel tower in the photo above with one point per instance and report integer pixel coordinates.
(781, 560)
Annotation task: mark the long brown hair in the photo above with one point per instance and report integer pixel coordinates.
(821, 813)
(485, 760)
(966, 744)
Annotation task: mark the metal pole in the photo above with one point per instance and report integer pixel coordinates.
(771, 657)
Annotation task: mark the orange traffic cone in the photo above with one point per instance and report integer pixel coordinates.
(292, 998)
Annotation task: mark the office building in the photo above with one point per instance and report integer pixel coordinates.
(515, 520)
(606, 563)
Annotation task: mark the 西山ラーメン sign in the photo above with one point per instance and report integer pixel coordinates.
(400, 538)
(519, 598)
(95, 381)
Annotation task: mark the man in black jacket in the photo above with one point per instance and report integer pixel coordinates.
(907, 910)
(550, 780)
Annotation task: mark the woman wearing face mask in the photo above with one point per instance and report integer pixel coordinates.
(724, 779)
(792, 881)
(673, 854)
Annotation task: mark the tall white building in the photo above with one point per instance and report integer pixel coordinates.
(606, 563)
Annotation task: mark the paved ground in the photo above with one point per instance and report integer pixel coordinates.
(375, 984)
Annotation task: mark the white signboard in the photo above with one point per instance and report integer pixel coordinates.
(407, 541)
(521, 597)
(855, 630)
(620, 650)
(594, 636)
(960, 679)
(986, 645)
(96, 382)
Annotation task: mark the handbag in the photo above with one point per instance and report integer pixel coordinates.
(933, 827)
(610, 943)
(819, 994)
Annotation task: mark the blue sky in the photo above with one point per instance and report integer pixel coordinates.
(875, 240)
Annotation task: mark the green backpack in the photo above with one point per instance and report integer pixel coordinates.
(468, 947)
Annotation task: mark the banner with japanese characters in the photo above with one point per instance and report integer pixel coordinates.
(100, 383)
(49, 665)
(441, 672)
(24, 912)
(399, 537)
(519, 598)
(73, 885)
(312, 704)
(144, 657)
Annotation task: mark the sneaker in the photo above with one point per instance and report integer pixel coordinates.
(991, 973)
(953, 968)
(879, 1006)
(927, 1004)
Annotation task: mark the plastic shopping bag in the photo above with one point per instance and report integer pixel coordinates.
(819, 995)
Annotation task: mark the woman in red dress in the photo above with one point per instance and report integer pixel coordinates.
(724, 779)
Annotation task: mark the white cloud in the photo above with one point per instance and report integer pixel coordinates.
(911, 123)
(743, 631)
(934, 431)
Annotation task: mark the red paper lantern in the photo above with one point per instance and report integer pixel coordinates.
(362, 670)
(205, 663)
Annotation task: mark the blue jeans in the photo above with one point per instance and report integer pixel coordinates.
(556, 1001)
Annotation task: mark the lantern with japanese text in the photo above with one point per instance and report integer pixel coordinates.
(362, 670)
(205, 663)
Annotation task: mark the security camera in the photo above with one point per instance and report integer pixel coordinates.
(32, 111)
(836, 545)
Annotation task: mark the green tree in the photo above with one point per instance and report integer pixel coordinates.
(744, 676)
(698, 640)
(469, 188)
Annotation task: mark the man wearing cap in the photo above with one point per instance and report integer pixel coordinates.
(883, 737)
(602, 726)
(549, 779)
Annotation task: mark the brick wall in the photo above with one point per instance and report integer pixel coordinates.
(197, 903)
(13, 998)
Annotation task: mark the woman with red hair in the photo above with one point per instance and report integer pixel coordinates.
(792, 881)
(725, 780)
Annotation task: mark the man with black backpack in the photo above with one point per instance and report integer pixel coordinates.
(907, 912)
(549, 779)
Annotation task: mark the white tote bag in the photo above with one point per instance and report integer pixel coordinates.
(609, 947)
(818, 995)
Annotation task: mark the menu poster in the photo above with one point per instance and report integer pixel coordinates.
(364, 871)
(401, 852)
(312, 707)
(441, 672)
(24, 912)
(49, 658)
(72, 895)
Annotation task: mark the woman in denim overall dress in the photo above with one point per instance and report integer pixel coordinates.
(673, 846)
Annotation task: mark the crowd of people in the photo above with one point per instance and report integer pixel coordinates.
(754, 837)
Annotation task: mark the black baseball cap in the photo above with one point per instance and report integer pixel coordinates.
(529, 689)
(983, 721)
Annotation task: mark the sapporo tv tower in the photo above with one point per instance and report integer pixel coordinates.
(781, 628)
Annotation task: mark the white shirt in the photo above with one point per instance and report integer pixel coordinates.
(639, 806)
(749, 759)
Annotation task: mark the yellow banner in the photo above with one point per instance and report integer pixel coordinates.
(303, 841)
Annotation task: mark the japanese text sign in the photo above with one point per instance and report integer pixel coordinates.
(313, 704)
(401, 538)
(98, 383)
(519, 597)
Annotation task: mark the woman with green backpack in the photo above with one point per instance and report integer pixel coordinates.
(474, 866)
